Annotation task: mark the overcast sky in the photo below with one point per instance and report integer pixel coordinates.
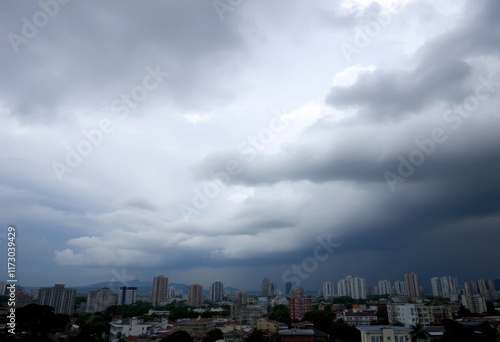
(231, 140)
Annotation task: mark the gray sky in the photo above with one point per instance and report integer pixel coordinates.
(224, 140)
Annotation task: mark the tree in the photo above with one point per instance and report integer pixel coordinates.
(281, 314)
(256, 336)
(418, 332)
(463, 312)
(92, 327)
(456, 332)
(322, 320)
(214, 335)
(38, 321)
(178, 336)
(342, 331)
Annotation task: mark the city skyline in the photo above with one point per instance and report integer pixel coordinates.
(427, 285)
(338, 138)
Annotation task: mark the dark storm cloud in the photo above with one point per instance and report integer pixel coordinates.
(441, 73)
(386, 95)
(86, 55)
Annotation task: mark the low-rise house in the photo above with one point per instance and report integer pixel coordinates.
(357, 317)
(302, 335)
(383, 333)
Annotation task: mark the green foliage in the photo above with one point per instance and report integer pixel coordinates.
(464, 312)
(281, 314)
(343, 332)
(398, 324)
(418, 332)
(214, 335)
(38, 321)
(456, 332)
(322, 319)
(92, 327)
(256, 336)
(178, 336)
(80, 299)
(134, 310)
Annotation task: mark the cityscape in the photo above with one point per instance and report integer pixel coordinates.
(394, 308)
(250, 171)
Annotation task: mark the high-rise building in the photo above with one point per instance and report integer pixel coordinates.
(412, 286)
(267, 288)
(171, 292)
(470, 288)
(160, 291)
(327, 289)
(217, 292)
(288, 287)
(299, 306)
(487, 289)
(384, 287)
(400, 287)
(444, 287)
(475, 303)
(127, 295)
(60, 298)
(100, 300)
(354, 287)
(194, 295)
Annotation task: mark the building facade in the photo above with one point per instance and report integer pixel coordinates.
(411, 314)
(354, 287)
(100, 300)
(384, 287)
(475, 303)
(328, 289)
(299, 306)
(160, 291)
(216, 292)
(412, 286)
(379, 333)
(444, 287)
(194, 295)
(267, 288)
(127, 295)
(60, 298)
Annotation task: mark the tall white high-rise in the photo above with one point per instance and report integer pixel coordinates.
(384, 287)
(354, 287)
(444, 287)
(400, 287)
(160, 291)
(487, 289)
(328, 289)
